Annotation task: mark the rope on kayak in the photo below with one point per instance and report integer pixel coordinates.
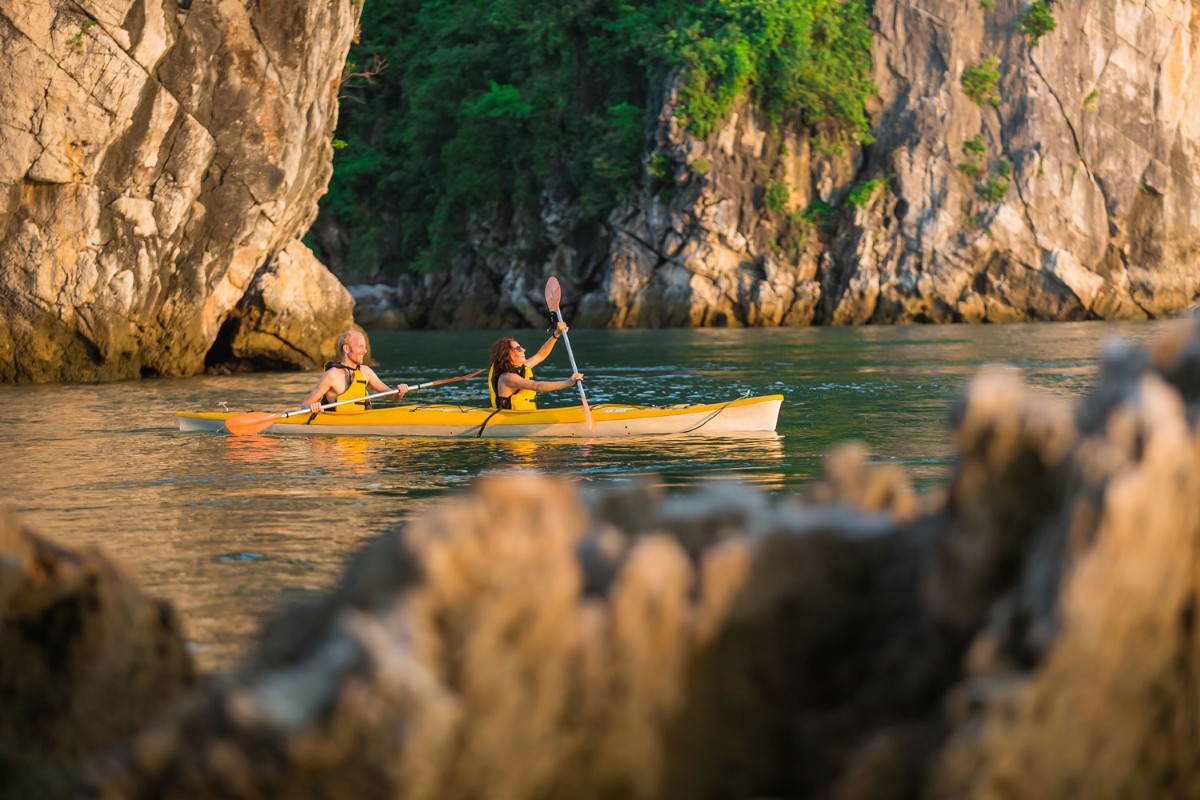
(710, 417)
(411, 407)
(484, 423)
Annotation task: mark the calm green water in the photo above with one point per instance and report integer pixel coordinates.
(227, 528)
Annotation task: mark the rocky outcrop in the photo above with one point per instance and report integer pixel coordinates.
(515, 645)
(1088, 201)
(697, 248)
(86, 659)
(1080, 682)
(160, 160)
(1026, 631)
(1070, 189)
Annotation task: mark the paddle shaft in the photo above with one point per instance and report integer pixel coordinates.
(587, 412)
(250, 422)
(553, 296)
(324, 406)
(418, 387)
(574, 369)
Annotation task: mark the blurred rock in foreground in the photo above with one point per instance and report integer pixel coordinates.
(1026, 631)
(85, 660)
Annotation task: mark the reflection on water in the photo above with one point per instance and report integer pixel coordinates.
(227, 528)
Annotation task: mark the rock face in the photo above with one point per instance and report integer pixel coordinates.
(85, 660)
(160, 159)
(1099, 124)
(1071, 191)
(514, 645)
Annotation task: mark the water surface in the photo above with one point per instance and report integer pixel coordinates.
(227, 528)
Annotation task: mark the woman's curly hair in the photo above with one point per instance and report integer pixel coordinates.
(502, 357)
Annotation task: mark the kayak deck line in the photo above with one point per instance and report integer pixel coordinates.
(446, 420)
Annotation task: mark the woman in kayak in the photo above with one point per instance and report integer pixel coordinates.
(348, 378)
(510, 379)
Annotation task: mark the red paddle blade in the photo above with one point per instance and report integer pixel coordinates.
(553, 293)
(248, 423)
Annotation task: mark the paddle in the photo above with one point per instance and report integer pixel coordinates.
(553, 294)
(250, 422)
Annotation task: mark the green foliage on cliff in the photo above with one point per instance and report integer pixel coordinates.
(485, 105)
(805, 59)
(659, 166)
(776, 196)
(980, 81)
(974, 149)
(864, 192)
(994, 189)
(1037, 21)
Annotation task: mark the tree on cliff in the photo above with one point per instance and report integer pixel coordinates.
(488, 104)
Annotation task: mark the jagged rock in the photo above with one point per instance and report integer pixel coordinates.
(1009, 486)
(86, 659)
(1097, 124)
(1105, 710)
(515, 645)
(291, 316)
(160, 159)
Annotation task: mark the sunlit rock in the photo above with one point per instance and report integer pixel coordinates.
(514, 643)
(1092, 657)
(1080, 203)
(160, 161)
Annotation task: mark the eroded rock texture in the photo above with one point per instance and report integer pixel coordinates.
(512, 645)
(1078, 197)
(160, 160)
(1099, 123)
(86, 659)
(1082, 681)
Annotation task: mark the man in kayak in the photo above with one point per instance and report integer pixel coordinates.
(348, 378)
(510, 379)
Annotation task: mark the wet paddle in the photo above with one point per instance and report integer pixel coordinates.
(247, 423)
(553, 295)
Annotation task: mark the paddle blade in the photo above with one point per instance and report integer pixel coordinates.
(553, 293)
(587, 412)
(248, 423)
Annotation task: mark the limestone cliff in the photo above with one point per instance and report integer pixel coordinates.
(1068, 187)
(160, 159)
(1099, 125)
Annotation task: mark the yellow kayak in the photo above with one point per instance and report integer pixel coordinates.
(738, 416)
